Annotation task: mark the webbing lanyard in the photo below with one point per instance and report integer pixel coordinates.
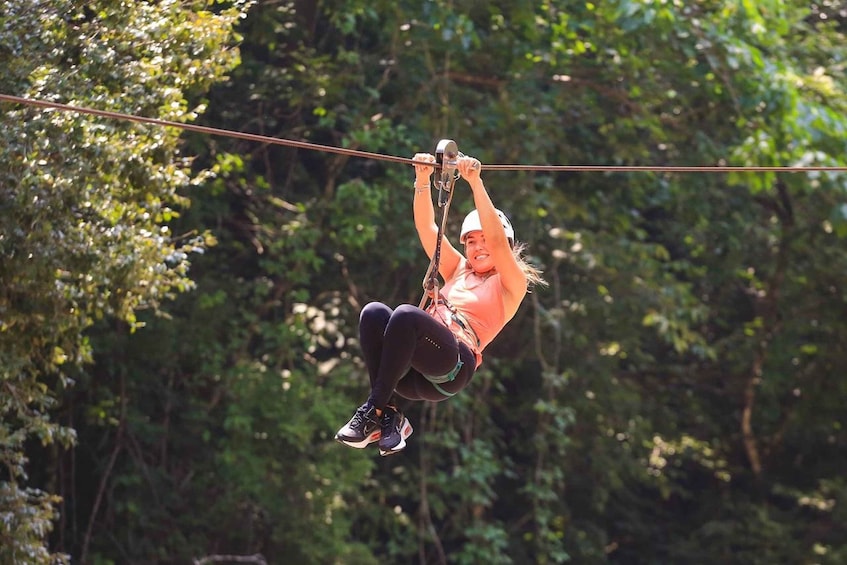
(446, 155)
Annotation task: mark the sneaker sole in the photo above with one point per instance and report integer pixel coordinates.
(405, 431)
(361, 444)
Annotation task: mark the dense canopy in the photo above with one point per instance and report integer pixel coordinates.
(178, 311)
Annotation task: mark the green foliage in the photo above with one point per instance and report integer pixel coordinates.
(87, 203)
(26, 517)
(669, 398)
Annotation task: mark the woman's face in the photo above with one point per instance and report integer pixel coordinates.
(477, 253)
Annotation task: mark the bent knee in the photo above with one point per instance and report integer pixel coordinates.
(374, 310)
(406, 314)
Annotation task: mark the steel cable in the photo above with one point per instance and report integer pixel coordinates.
(382, 157)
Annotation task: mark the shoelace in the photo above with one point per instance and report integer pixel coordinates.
(390, 418)
(360, 416)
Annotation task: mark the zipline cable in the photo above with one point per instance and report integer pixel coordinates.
(381, 157)
(200, 129)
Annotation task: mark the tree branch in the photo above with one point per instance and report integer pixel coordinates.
(768, 310)
(749, 437)
(425, 524)
(101, 489)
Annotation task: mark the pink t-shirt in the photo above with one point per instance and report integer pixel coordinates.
(480, 300)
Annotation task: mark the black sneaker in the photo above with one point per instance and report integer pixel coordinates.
(362, 429)
(395, 428)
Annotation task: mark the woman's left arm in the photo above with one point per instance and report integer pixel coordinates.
(512, 277)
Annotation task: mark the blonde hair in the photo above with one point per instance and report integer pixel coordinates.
(532, 273)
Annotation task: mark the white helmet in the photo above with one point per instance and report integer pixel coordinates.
(472, 223)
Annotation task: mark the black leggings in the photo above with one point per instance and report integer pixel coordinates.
(401, 346)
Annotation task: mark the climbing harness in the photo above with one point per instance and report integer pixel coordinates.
(441, 379)
(460, 320)
(438, 381)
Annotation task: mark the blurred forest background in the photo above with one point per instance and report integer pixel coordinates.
(178, 311)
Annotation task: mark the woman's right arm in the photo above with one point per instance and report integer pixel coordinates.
(425, 219)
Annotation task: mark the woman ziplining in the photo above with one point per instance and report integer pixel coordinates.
(431, 353)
